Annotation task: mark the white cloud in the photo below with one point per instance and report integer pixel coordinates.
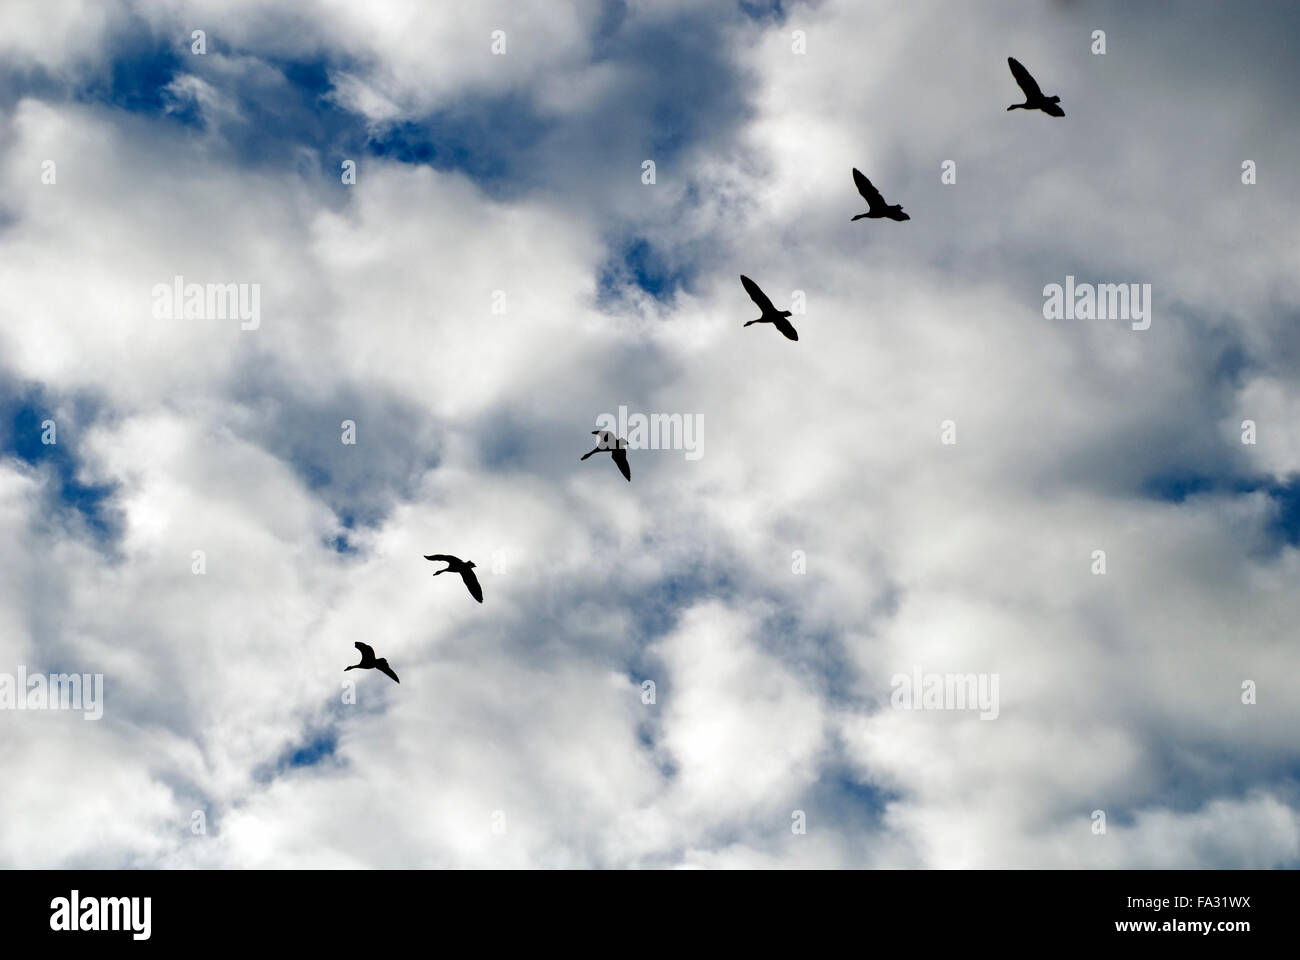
(1119, 692)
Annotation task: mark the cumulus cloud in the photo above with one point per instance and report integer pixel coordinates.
(498, 277)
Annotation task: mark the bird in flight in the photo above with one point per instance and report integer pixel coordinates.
(616, 447)
(464, 567)
(1034, 99)
(878, 209)
(370, 662)
(770, 313)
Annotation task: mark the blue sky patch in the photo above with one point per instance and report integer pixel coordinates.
(22, 416)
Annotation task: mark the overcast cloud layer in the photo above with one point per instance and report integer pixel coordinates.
(519, 735)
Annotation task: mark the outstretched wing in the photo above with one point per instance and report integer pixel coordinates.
(367, 651)
(383, 667)
(471, 581)
(782, 324)
(442, 557)
(620, 457)
(869, 193)
(1027, 83)
(757, 295)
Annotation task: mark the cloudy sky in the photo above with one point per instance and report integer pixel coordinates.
(497, 278)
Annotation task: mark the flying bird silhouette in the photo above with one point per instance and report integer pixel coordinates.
(464, 567)
(877, 208)
(770, 313)
(1034, 99)
(616, 447)
(370, 662)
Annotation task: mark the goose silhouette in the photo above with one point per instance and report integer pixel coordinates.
(464, 567)
(877, 209)
(370, 662)
(770, 313)
(616, 447)
(1034, 99)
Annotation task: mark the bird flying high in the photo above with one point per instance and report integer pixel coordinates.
(370, 662)
(616, 447)
(1034, 99)
(877, 208)
(770, 313)
(464, 567)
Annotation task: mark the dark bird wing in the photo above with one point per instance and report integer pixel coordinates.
(757, 295)
(383, 667)
(367, 651)
(442, 557)
(620, 457)
(1027, 83)
(782, 324)
(471, 581)
(869, 193)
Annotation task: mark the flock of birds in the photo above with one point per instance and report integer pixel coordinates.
(616, 446)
